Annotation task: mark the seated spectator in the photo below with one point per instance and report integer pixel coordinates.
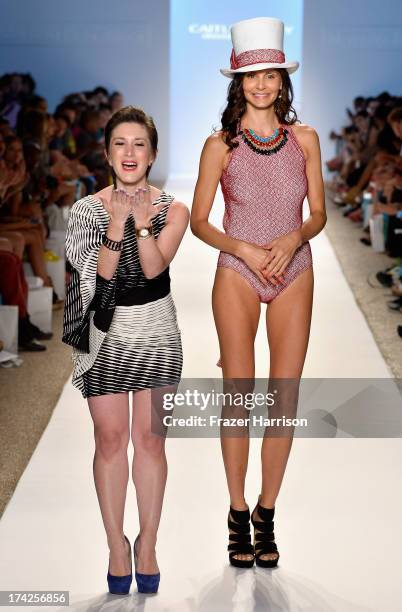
(91, 148)
(11, 86)
(368, 180)
(105, 112)
(68, 112)
(47, 162)
(102, 96)
(13, 216)
(116, 101)
(14, 292)
(59, 141)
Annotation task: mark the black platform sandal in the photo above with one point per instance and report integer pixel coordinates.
(264, 537)
(240, 540)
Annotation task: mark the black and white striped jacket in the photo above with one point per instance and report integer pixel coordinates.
(84, 328)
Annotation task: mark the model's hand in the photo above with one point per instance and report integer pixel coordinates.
(256, 258)
(143, 210)
(119, 206)
(281, 251)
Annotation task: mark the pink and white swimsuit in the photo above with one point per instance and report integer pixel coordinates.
(264, 196)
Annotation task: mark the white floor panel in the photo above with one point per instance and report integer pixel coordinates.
(337, 521)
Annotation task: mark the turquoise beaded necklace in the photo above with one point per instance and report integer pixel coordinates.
(264, 139)
(265, 145)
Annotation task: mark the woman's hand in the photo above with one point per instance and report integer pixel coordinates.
(256, 258)
(282, 250)
(389, 209)
(350, 196)
(80, 168)
(21, 224)
(142, 208)
(119, 206)
(18, 177)
(388, 190)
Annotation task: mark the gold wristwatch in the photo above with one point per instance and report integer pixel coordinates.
(143, 232)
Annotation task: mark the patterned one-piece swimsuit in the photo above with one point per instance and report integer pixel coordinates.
(264, 193)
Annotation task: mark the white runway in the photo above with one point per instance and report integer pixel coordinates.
(337, 521)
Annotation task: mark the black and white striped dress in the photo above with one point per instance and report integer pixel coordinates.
(124, 330)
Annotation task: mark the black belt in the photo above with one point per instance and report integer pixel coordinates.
(142, 295)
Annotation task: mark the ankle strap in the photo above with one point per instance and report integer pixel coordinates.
(240, 516)
(267, 514)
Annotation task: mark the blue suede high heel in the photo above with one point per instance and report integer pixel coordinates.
(146, 583)
(120, 585)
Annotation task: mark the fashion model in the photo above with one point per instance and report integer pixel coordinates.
(121, 320)
(266, 165)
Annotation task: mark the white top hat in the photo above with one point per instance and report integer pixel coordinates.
(257, 45)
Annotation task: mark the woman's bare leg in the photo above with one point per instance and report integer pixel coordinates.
(110, 414)
(17, 242)
(149, 473)
(5, 244)
(34, 209)
(66, 194)
(236, 327)
(288, 328)
(34, 244)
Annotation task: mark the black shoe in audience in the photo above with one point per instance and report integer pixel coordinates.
(38, 334)
(26, 338)
(384, 278)
(366, 241)
(399, 330)
(395, 304)
(32, 345)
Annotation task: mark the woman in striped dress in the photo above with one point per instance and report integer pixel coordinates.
(121, 320)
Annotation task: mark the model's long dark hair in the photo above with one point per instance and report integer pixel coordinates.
(236, 106)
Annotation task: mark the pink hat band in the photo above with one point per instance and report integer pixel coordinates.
(256, 56)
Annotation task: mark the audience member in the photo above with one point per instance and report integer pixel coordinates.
(47, 162)
(367, 181)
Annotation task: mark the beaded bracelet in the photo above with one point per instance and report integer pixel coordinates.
(113, 245)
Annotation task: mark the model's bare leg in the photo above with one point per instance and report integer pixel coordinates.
(110, 414)
(149, 475)
(236, 327)
(288, 328)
